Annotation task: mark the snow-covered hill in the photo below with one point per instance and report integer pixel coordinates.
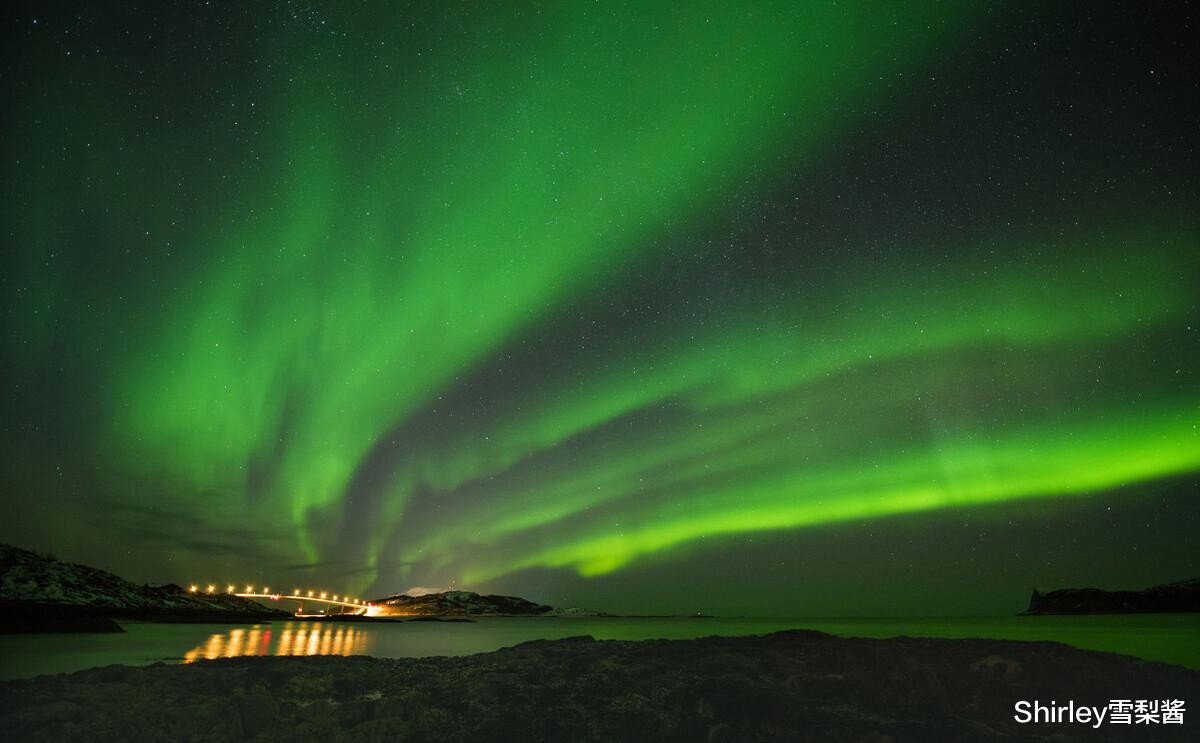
(27, 576)
(458, 604)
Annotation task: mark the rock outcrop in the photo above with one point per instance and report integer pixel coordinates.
(458, 604)
(1183, 596)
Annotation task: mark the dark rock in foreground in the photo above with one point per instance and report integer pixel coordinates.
(789, 686)
(1183, 596)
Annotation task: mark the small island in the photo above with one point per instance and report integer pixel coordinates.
(1181, 596)
(458, 604)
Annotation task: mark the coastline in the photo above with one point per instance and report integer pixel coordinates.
(34, 617)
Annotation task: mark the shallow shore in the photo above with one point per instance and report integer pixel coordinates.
(796, 685)
(19, 618)
(22, 617)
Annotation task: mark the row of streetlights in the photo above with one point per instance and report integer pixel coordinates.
(266, 591)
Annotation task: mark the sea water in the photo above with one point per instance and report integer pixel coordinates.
(1170, 638)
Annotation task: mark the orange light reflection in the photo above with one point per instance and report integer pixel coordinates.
(316, 638)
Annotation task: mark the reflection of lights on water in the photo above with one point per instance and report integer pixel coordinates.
(252, 646)
(314, 638)
(233, 648)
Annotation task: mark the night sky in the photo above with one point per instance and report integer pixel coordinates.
(747, 308)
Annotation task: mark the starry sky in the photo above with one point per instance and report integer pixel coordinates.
(764, 308)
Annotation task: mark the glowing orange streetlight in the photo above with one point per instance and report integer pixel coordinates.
(192, 589)
(211, 588)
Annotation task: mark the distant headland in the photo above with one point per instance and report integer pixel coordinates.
(1181, 596)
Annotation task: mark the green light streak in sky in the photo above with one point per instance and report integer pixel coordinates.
(368, 279)
(715, 377)
(954, 473)
(431, 205)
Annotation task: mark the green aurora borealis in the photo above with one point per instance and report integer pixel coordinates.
(538, 301)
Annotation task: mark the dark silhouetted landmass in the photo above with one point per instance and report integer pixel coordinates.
(76, 598)
(788, 686)
(1183, 596)
(459, 604)
(21, 617)
(453, 604)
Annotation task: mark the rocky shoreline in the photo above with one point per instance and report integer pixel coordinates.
(795, 685)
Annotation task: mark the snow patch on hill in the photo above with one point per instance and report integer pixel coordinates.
(28, 576)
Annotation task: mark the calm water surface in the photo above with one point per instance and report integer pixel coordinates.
(1172, 638)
